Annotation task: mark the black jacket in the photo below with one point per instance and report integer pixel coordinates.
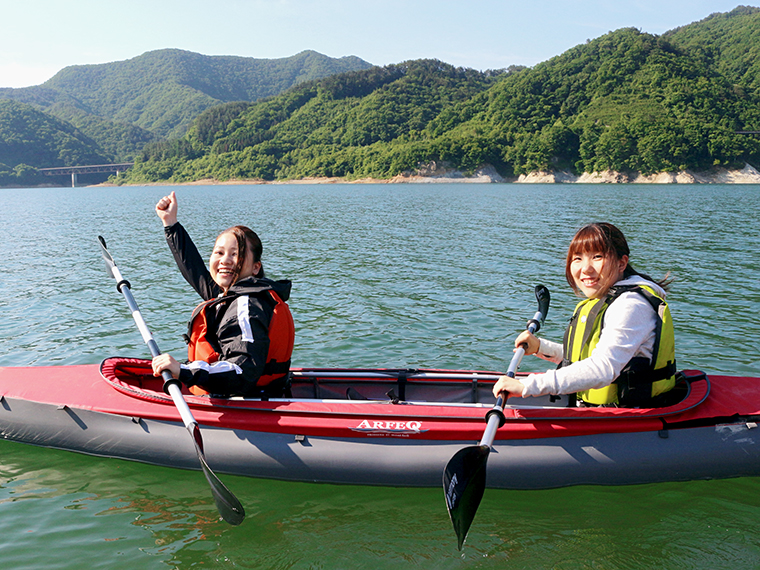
(238, 323)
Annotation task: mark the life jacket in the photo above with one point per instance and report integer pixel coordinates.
(281, 339)
(641, 379)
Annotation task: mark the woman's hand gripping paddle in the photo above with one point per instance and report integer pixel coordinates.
(229, 507)
(464, 479)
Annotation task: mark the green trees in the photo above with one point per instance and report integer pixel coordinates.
(163, 91)
(20, 176)
(31, 137)
(118, 108)
(364, 123)
(626, 101)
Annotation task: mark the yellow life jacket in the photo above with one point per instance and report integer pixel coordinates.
(641, 379)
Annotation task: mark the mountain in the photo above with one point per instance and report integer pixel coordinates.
(304, 131)
(124, 105)
(54, 141)
(627, 101)
(163, 91)
(31, 139)
(116, 140)
(729, 41)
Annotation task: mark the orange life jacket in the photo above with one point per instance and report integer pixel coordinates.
(281, 339)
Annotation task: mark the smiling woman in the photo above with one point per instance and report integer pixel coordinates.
(236, 256)
(240, 338)
(594, 273)
(619, 347)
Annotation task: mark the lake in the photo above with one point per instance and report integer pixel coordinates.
(425, 275)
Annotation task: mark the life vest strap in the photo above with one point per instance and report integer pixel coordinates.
(274, 367)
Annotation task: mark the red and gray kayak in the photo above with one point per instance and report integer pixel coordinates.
(386, 427)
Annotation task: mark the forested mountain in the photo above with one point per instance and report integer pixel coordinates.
(123, 105)
(23, 127)
(627, 101)
(304, 131)
(55, 141)
(118, 141)
(163, 91)
(730, 42)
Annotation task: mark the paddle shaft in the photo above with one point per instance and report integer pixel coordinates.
(171, 385)
(227, 504)
(496, 415)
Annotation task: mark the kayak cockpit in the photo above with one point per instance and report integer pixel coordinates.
(135, 377)
(412, 387)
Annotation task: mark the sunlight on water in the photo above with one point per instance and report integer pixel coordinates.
(384, 275)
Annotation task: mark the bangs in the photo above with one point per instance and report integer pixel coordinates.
(598, 237)
(591, 239)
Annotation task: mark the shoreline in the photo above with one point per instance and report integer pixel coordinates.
(440, 174)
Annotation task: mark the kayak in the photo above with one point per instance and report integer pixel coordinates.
(395, 427)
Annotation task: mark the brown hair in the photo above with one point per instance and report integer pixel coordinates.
(247, 240)
(603, 237)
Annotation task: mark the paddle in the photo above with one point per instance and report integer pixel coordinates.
(464, 479)
(227, 504)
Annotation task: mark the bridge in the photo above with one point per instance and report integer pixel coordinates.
(75, 170)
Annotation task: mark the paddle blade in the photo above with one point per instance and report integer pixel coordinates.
(110, 264)
(227, 504)
(543, 298)
(464, 481)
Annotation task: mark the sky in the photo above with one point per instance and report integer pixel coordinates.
(38, 38)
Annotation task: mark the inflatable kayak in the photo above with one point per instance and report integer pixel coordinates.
(386, 427)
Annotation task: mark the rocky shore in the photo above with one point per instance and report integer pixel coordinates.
(440, 173)
(747, 175)
(436, 173)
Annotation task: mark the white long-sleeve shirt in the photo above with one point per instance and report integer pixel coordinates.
(629, 331)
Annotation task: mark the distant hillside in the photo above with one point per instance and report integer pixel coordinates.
(118, 141)
(306, 130)
(29, 136)
(122, 106)
(730, 42)
(163, 91)
(627, 101)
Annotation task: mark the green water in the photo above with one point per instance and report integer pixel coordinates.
(384, 275)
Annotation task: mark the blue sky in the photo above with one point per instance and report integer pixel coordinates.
(40, 37)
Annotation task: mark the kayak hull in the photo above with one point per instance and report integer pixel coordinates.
(372, 442)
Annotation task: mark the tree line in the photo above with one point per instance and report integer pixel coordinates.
(627, 101)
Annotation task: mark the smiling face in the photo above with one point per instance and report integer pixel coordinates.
(225, 264)
(595, 272)
(596, 259)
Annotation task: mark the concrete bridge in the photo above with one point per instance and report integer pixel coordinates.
(75, 170)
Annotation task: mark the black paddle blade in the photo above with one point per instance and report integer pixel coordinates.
(464, 481)
(543, 298)
(227, 504)
(106, 256)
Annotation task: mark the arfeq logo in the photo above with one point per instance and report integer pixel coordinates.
(389, 428)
